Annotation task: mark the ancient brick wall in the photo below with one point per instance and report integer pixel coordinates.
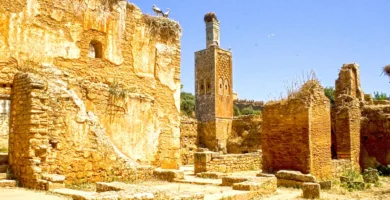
(348, 99)
(285, 136)
(133, 89)
(320, 135)
(188, 140)
(52, 133)
(296, 133)
(375, 136)
(214, 162)
(246, 134)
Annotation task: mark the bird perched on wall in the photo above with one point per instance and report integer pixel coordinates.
(157, 10)
(166, 13)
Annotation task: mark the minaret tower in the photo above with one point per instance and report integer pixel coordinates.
(213, 89)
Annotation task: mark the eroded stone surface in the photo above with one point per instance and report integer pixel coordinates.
(311, 190)
(295, 175)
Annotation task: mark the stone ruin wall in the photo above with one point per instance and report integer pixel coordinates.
(214, 162)
(246, 134)
(53, 133)
(188, 140)
(4, 123)
(348, 98)
(296, 133)
(141, 58)
(245, 137)
(375, 136)
(243, 103)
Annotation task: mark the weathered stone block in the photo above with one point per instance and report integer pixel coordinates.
(212, 175)
(370, 176)
(295, 175)
(113, 186)
(311, 190)
(230, 180)
(289, 183)
(168, 175)
(7, 183)
(55, 178)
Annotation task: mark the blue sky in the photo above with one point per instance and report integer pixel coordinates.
(307, 34)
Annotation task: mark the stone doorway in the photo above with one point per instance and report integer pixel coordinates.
(5, 104)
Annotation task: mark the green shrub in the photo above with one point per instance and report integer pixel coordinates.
(380, 96)
(250, 111)
(236, 110)
(329, 92)
(383, 170)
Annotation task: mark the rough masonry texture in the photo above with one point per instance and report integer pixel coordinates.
(213, 91)
(215, 162)
(188, 140)
(246, 134)
(296, 133)
(52, 133)
(4, 122)
(375, 135)
(122, 65)
(348, 98)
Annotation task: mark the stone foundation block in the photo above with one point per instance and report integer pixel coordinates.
(311, 190)
(295, 175)
(7, 183)
(230, 180)
(52, 186)
(113, 186)
(3, 176)
(260, 186)
(211, 175)
(289, 183)
(54, 178)
(168, 175)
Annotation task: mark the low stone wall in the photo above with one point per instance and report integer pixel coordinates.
(188, 140)
(339, 167)
(214, 162)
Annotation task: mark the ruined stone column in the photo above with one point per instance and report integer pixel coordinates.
(348, 98)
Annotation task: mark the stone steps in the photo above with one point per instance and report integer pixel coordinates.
(7, 183)
(3, 176)
(3, 158)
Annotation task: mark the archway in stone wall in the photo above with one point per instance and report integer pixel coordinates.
(5, 105)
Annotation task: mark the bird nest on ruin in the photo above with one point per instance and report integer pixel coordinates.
(209, 17)
(386, 70)
(164, 27)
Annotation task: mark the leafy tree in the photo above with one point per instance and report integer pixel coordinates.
(380, 96)
(236, 110)
(250, 111)
(329, 92)
(187, 102)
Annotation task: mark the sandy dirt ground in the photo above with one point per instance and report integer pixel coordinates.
(378, 192)
(24, 194)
